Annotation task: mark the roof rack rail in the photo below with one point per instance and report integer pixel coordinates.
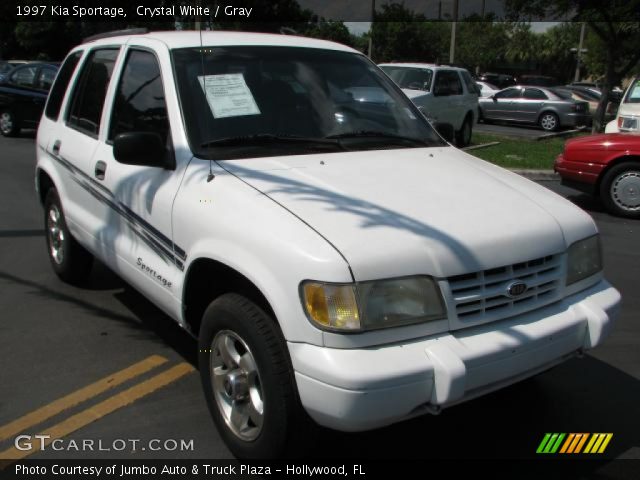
(116, 33)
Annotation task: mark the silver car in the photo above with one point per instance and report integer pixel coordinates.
(548, 107)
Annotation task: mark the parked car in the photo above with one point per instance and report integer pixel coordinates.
(444, 94)
(549, 108)
(347, 265)
(500, 80)
(7, 65)
(487, 89)
(628, 116)
(538, 80)
(593, 97)
(22, 96)
(607, 166)
(592, 100)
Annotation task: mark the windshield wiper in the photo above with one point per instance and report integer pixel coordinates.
(377, 134)
(265, 138)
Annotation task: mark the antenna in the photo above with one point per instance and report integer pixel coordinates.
(211, 176)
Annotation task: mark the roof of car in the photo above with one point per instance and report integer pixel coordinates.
(186, 39)
(418, 65)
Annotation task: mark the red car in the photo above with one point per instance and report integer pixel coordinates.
(607, 166)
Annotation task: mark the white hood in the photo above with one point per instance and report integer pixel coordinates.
(434, 211)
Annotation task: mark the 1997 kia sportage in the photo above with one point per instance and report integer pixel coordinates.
(285, 203)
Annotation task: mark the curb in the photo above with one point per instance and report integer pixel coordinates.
(537, 175)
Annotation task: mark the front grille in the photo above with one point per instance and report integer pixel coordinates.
(482, 296)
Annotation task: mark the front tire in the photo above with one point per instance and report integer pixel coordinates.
(549, 122)
(71, 262)
(248, 380)
(620, 190)
(9, 124)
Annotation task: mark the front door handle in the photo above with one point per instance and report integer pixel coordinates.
(101, 169)
(56, 147)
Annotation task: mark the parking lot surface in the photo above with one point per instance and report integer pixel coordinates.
(102, 364)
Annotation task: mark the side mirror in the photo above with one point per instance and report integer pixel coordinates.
(142, 148)
(446, 131)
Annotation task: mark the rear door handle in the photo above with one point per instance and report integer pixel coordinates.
(56, 147)
(101, 169)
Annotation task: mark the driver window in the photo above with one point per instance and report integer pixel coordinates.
(508, 93)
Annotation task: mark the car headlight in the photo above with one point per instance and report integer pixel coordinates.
(373, 305)
(584, 259)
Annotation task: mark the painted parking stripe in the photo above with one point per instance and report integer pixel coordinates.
(103, 408)
(57, 406)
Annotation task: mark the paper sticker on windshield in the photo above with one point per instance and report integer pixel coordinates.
(228, 95)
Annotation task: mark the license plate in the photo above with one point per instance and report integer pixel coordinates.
(630, 123)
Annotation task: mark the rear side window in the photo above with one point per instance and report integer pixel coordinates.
(448, 83)
(472, 87)
(139, 104)
(61, 84)
(90, 90)
(24, 76)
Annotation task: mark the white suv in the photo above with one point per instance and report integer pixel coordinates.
(444, 94)
(285, 203)
(628, 117)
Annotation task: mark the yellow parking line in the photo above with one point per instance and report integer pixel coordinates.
(41, 414)
(103, 408)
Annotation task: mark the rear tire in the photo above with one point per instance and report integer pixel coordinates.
(549, 122)
(9, 124)
(620, 190)
(71, 262)
(248, 381)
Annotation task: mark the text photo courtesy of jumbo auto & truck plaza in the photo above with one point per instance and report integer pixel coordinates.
(258, 239)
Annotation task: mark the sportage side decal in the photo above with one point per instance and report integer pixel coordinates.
(151, 236)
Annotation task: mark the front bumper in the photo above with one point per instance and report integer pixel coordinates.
(361, 389)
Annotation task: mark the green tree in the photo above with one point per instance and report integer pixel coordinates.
(616, 42)
(402, 35)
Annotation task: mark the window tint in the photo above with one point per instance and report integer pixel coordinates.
(45, 78)
(60, 86)
(447, 83)
(24, 76)
(508, 93)
(534, 94)
(88, 95)
(139, 104)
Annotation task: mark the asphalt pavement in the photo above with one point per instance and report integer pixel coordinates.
(101, 363)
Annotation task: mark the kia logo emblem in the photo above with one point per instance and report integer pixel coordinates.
(517, 288)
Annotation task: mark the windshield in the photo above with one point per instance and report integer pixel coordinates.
(266, 101)
(409, 77)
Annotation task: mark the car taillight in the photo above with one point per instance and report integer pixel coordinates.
(620, 121)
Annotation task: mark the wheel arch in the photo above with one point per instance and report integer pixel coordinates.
(548, 110)
(44, 183)
(199, 290)
(634, 158)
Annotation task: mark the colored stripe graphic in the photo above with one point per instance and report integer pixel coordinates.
(550, 443)
(573, 443)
